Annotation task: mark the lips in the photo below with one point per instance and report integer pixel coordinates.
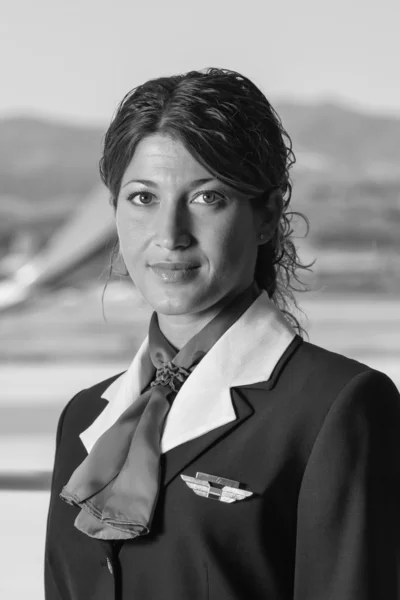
(174, 266)
(174, 272)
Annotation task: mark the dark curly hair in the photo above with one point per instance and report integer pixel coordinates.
(228, 126)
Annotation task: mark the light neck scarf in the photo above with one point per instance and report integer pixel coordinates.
(117, 484)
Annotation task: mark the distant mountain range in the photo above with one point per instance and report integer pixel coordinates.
(342, 138)
(41, 160)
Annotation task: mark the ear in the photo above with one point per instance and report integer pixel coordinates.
(270, 215)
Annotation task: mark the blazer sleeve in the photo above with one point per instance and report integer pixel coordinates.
(348, 527)
(51, 591)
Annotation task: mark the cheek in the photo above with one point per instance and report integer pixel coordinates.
(229, 248)
(130, 234)
(234, 244)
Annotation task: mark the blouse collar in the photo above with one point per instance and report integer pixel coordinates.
(247, 353)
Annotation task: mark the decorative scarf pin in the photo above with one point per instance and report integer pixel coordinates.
(170, 375)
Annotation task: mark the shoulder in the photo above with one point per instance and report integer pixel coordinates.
(313, 365)
(336, 369)
(359, 421)
(84, 407)
(315, 383)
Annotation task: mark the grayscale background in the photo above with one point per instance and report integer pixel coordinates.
(331, 71)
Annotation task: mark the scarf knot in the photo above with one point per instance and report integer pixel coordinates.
(170, 375)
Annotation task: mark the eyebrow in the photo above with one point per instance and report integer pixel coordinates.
(195, 183)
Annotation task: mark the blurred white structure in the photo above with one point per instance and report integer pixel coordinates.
(88, 230)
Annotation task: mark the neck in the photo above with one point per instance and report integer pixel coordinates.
(179, 329)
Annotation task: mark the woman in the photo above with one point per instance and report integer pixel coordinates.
(232, 460)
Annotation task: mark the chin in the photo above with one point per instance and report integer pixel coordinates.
(179, 300)
(178, 305)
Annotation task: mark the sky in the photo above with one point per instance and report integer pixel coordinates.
(74, 60)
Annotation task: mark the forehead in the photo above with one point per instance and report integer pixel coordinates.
(160, 156)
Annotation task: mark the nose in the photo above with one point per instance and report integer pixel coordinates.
(172, 227)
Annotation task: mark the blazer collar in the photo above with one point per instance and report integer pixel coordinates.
(247, 353)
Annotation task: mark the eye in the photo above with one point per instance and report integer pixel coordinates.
(140, 198)
(209, 197)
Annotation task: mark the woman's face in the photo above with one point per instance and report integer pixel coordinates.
(188, 240)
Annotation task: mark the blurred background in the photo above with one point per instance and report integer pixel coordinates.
(331, 71)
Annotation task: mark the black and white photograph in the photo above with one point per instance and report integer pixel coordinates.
(200, 300)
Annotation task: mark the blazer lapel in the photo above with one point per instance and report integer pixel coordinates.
(179, 457)
(245, 400)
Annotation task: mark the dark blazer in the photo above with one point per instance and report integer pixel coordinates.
(318, 444)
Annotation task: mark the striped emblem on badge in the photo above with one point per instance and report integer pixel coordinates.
(216, 488)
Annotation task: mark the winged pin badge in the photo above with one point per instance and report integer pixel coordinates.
(216, 488)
